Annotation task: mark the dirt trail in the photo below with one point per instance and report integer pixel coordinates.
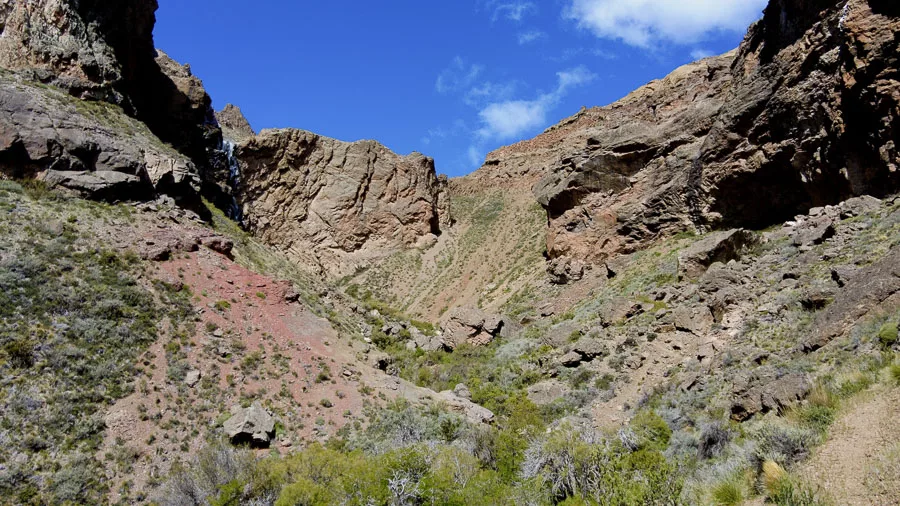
(862, 433)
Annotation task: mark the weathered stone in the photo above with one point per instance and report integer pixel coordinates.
(717, 247)
(469, 325)
(814, 231)
(589, 349)
(235, 126)
(462, 390)
(192, 378)
(571, 359)
(337, 205)
(254, 426)
(83, 147)
(764, 390)
(472, 411)
(565, 270)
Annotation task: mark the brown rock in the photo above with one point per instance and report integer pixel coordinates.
(91, 148)
(469, 325)
(802, 115)
(335, 204)
(717, 247)
(234, 125)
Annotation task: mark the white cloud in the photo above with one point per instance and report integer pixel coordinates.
(511, 118)
(513, 11)
(530, 36)
(646, 23)
(489, 91)
(457, 76)
(475, 156)
(699, 54)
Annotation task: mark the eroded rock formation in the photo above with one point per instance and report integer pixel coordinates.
(104, 52)
(803, 114)
(338, 205)
(233, 123)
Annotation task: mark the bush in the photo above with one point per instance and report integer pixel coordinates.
(728, 493)
(790, 492)
(888, 335)
(783, 443)
(714, 438)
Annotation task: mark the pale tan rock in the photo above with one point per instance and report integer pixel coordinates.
(338, 204)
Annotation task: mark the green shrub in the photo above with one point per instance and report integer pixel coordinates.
(728, 493)
(20, 353)
(790, 492)
(888, 335)
(783, 443)
(652, 431)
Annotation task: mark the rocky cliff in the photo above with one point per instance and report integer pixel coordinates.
(338, 205)
(103, 52)
(802, 115)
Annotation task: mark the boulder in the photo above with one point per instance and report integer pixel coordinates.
(589, 349)
(723, 246)
(254, 426)
(813, 231)
(473, 412)
(764, 389)
(571, 359)
(470, 325)
(565, 270)
(192, 378)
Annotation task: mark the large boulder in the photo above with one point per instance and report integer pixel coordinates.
(717, 247)
(254, 426)
(470, 325)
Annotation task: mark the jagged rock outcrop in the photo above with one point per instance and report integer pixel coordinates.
(338, 205)
(104, 51)
(803, 114)
(88, 47)
(91, 148)
(233, 124)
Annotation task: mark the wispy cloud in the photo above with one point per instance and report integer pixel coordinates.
(512, 10)
(647, 23)
(459, 75)
(530, 36)
(475, 155)
(512, 118)
(699, 53)
(489, 91)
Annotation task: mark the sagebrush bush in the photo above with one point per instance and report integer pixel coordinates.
(784, 443)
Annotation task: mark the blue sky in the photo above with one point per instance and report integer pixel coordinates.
(453, 79)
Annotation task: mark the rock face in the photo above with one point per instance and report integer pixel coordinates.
(254, 426)
(234, 125)
(803, 114)
(88, 47)
(91, 148)
(103, 51)
(338, 204)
